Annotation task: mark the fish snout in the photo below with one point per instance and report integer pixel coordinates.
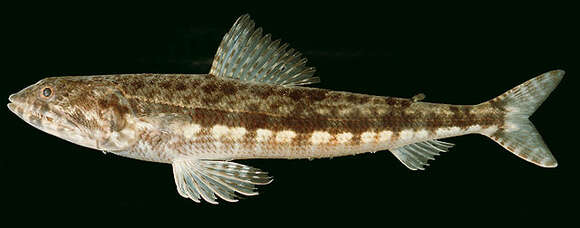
(17, 97)
(12, 97)
(15, 104)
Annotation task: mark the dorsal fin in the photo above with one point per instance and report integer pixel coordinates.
(246, 54)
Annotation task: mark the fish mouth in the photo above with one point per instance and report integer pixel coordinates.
(41, 120)
(18, 110)
(24, 111)
(13, 105)
(51, 121)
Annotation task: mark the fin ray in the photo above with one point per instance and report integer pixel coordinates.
(417, 155)
(245, 54)
(210, 180)
(519, 135)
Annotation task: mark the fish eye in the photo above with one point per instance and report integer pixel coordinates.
(47, 92)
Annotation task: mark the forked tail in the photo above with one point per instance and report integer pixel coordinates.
(518, 135)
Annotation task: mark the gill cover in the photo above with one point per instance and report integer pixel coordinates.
(117, 115)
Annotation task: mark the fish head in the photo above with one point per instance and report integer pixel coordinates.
(87, 111)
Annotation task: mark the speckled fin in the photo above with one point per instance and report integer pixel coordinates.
(519, 135)
(416, 156)
(246, 54)
(204, 179)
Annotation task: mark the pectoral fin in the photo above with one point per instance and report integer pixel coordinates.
(197, 179)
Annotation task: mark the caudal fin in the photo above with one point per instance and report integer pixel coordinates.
(519, 135)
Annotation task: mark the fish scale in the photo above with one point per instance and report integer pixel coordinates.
(306, 125)
(252, 104)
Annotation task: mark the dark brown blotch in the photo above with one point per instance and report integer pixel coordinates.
(165, 84)
(454, 109)
(274, 106)
(228, 89)
(352, 98)
(390, 101)
(295, 94)
(112, 102)
(334, 97)
(137, 84)
(179, 86)
(317, 95)
(404, 103)
(264, 91)
(209, 87)
(435, 121)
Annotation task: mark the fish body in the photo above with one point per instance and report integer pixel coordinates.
(170, 116)
(252, 105)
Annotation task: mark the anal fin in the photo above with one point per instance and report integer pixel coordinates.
(417, 155)
(208, 180)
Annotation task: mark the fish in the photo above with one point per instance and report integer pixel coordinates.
(255, 104)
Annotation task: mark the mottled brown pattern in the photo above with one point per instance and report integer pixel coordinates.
(84, 110)
(180, 86)
(136, 84)
(228, 89)
(303, 110)
(198, 122)
(168, 103)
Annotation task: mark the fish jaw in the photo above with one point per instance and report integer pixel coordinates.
(49, 120)
(86, 111)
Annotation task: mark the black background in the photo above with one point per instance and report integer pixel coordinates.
(458, 54)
